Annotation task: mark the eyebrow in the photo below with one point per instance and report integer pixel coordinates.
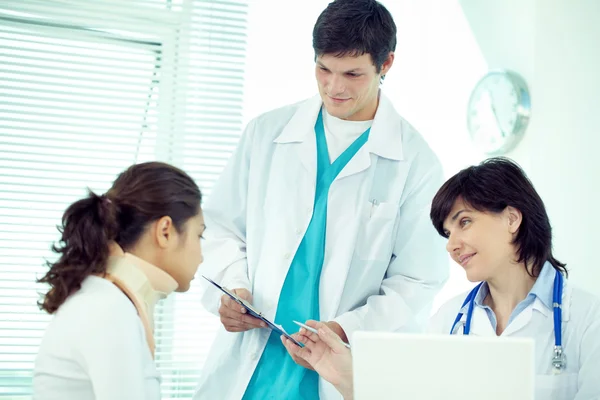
(454, 217)
(457, 214)
(355, 70)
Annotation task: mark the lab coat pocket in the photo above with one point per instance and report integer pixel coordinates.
(375, 240)
(556, 387)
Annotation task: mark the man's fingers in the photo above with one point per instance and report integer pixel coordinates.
(236, 325)
(232, 304)
(231, 318)
(234, 329)
(253, 322)
(229, 312)
(233, 325)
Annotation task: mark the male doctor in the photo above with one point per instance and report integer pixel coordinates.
(322, 213)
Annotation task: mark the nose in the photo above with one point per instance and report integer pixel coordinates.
(336, 85)
(453, 244)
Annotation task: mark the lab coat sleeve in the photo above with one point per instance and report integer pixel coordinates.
(419, 265)
(589, 371)
(225, 217)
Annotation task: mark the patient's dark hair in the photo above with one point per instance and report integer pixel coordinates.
(355, 27)
(139, 196)
(492, 186)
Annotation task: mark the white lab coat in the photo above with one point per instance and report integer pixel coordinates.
(384, 262)
(580, 337)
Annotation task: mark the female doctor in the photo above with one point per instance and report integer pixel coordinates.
(499, 232)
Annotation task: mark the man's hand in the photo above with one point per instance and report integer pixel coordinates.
(234, 316)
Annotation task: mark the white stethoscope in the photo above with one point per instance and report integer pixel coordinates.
(559, 360)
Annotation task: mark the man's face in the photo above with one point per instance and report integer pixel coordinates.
(349, 85)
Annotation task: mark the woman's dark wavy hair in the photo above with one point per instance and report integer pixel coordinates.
(492, 186)
(139, 196)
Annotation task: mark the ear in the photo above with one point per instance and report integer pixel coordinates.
(164, 232)
(387, 64)
(515, 218)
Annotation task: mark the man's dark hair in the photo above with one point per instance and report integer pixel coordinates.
(355, 27)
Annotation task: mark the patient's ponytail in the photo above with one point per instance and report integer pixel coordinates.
(140, 195)
(88, 226)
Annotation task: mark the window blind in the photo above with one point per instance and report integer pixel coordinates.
(86, 89)
(208, 120)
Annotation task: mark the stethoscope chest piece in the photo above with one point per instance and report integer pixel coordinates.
(559, 360)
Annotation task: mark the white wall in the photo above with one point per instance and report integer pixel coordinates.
(280, 63)
(567, 83)
(444, 47)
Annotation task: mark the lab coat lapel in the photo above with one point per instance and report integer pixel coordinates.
(385, 139)
(524, 318)
(300, 133)
(480, 323)
(360, 162)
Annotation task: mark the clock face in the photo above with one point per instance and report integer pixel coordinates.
(498, 112)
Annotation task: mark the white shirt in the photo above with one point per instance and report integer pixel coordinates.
(384, 261)
(340, 134)
(95, 349)
(580, 337)
(96, 346)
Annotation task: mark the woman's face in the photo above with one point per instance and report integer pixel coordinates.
(183, 260)
(481, 242)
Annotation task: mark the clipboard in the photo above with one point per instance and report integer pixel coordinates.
(254, 312)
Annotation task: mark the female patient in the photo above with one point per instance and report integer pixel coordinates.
(499, 232)
(118, 255)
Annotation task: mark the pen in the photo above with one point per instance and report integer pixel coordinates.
(313, 330)
(374, 205)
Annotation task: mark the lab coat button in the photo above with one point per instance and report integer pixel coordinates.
(287, 256)
(254, 356)
(298, 231)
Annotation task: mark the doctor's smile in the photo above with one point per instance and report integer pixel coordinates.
(464, 259)
(338, 100)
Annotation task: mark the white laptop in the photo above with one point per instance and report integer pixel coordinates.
(428, 367)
